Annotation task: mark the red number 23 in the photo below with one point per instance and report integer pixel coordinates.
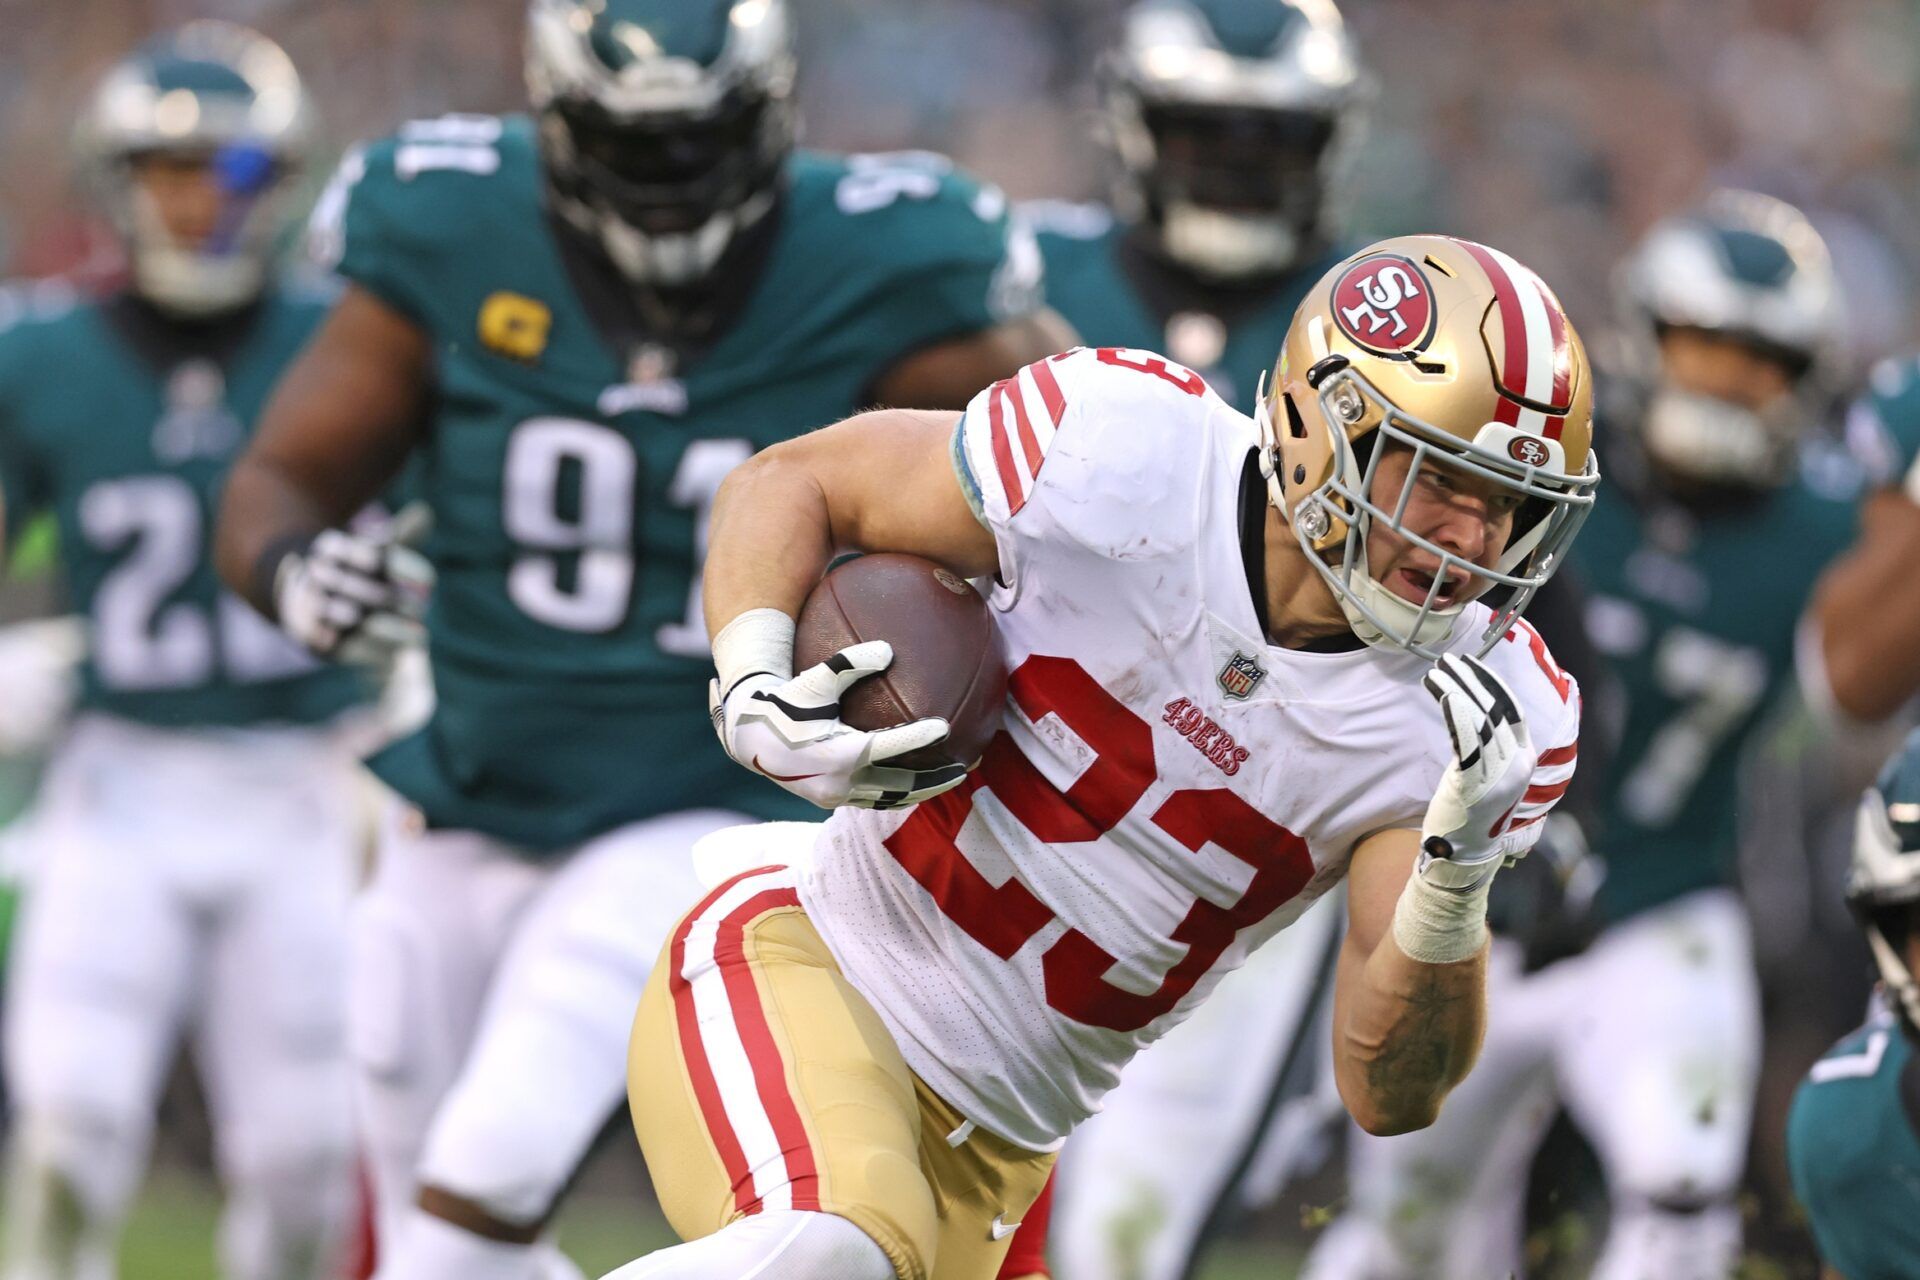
(1004, 918)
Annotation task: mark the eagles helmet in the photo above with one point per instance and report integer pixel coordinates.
(1752, 269)
(213, 91)
(1459, 353)
(1883, 885)
(664, 124)
(1231, 120)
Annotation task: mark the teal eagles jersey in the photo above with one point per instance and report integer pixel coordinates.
(123, 427)
(1854, 1156)
(570, 483)
(1230, 336)
(1696, 615)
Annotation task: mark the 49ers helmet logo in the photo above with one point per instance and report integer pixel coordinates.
(1528, 451)
(1385, 303)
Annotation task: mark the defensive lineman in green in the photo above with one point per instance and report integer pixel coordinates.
(195, 838)
(1722, 516)
(1230, 125)
(1853, 1136)
(575, 326)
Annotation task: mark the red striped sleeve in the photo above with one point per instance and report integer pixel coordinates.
(1010, 481)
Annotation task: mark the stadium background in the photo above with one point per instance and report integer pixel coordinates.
(1557, 131)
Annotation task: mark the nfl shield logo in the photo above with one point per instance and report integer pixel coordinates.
(1241, 675)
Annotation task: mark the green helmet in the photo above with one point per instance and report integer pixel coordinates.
(1883, 885)
(664, 124)
(212, 91)
(1749, 268)
(1231, 121)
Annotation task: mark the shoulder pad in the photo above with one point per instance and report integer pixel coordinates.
(1111, 441)
(399, 205)
(411, 180)
(26, 302)
(916, 239)
(908, 207)
(1858, 1055)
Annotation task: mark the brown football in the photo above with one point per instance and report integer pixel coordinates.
(946, 654)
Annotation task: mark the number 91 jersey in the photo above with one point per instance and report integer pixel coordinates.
(570, 485)
(1167, 790)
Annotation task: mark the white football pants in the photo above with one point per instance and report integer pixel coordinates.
(1218, 1115)
(1652, 1040)
(492, 998)
(184, 883)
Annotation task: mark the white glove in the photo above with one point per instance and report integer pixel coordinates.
(1442, 912)
(1493, 760)
(355, 597)
(789, 730)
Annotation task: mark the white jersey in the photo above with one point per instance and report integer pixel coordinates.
(1168, 790)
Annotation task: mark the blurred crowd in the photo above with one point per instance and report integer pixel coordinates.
(1560, 131)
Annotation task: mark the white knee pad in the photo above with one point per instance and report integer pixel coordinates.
(1654, 1242)
(784, 1245)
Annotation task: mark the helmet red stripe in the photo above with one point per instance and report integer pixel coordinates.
(1562, 351)
(1513, 323)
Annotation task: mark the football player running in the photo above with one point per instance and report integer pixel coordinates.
(1852, 1142)
(197, 834)
(1230, 125)
(1713, 533)
(858, 1059)
(575, 325)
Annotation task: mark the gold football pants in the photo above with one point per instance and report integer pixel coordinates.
(759, 1079)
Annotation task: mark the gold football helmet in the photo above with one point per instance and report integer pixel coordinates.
(1459, 353)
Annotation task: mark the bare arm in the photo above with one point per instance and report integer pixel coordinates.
(340, 424)
(1867, 609)
(1404, 1032)
(880, 481)
(948, 374)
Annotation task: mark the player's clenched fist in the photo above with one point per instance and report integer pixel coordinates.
(1493, 760)
(353, 597)
(789, 729)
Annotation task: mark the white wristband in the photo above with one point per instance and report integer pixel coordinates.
(757, 640)
(1440, 926)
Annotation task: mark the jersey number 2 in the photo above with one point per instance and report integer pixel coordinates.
(1004, 918)
(144, 636)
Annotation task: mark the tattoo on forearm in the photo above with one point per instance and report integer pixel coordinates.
(1424, 1042)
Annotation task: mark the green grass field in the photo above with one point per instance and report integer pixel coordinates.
(171, 1236)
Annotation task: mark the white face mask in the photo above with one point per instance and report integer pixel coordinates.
(1714, 441)
(674, 260)
(1218, 243)
(192, 282)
